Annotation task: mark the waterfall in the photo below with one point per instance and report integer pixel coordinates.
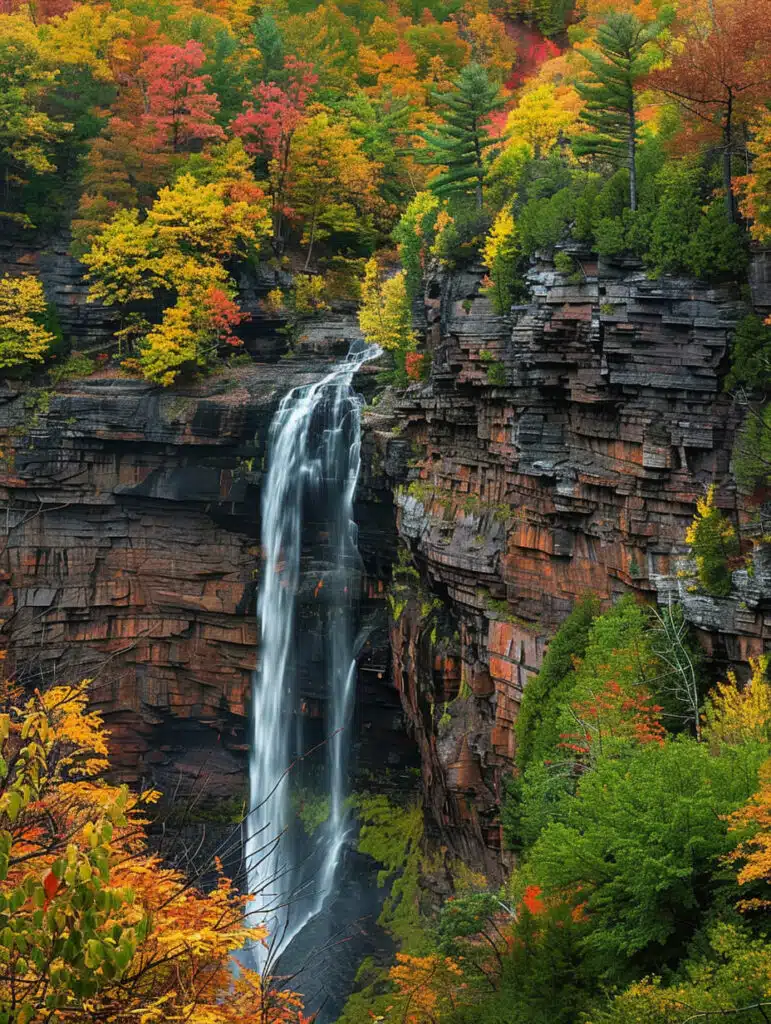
(313, 467)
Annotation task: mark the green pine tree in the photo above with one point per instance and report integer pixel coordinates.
(461, 141)
(625, 54)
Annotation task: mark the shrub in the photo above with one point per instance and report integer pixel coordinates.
(751, 355)
(713, 541)
(564, 263)
(78, 364)
(23, 338)
(308, 296)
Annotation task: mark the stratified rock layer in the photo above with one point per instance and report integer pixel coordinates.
(562, 450)
(132, 558)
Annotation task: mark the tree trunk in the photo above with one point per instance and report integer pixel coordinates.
(727, 154)
(312, 236)
(480, 167)
(632, 146)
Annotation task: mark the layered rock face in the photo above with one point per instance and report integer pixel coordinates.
(557, 452)
(131, 557)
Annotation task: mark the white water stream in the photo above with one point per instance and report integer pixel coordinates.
(313, 468)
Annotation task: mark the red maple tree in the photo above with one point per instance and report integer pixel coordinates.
(180, 109)
(267, 127)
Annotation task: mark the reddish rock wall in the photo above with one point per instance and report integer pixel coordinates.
(131, 557)
(561, 451)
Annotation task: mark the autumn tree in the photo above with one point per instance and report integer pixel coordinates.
(501, 254)
(93, 925)
(180, 109)
(736, 714)
(180, 248)
(427, 987)
(543, 114)
(754, 189)
(623, 54)
(462, 140)
(268, 126)
(491, 45)
(332, 188)
(28, 134)
(720, 75)
(385, 314)
(23, 338)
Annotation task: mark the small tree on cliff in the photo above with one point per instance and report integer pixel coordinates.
(624, 54)
(385, 315)
(461, 141)
(23, 338)
(713, 541)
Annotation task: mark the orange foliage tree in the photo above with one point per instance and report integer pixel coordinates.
(754, 188)
(720, 73)
(753, 853)
(93, 926)
(426, 988)
(610, 715)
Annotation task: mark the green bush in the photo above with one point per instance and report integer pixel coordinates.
(543, 223)
(677, 218)
(718, 249)
(752, 451)
(750, 355)
(564, 263)
(536, 726)
(644, 846)
(77, 364)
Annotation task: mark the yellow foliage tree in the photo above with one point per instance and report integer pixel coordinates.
(734, 715)
(180, 247)
(93, 927)
(23, 339)
(385, 316)
(713, 541)
(501, 254)
(543, 114)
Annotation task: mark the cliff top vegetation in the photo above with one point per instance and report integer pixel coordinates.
(175, 144)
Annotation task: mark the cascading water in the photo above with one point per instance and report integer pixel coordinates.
(314, 458)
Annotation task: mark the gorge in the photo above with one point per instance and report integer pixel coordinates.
(385, 454)
(513, 499)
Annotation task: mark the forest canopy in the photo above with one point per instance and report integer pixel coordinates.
(170, 139)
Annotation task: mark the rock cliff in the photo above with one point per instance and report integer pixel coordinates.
(557, 451)
(131, 557)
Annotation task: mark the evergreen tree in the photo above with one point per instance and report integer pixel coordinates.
(270, 43)
(623, 56)
(461, 141)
